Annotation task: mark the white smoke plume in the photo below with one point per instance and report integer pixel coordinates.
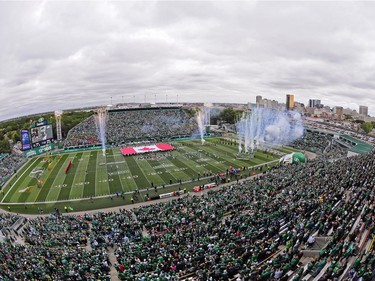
(270, 127)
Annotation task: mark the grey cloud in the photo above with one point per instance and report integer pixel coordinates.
(57, 55)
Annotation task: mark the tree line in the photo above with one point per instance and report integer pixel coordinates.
(10, 130)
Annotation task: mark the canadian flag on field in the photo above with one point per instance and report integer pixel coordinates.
(146, 148)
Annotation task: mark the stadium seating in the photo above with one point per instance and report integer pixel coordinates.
(254, 230)
(83, 134)
(321, 144)
(9, 163)
(124, 126)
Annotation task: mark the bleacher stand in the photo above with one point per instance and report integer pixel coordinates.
(9, 163)
(323, 145)
(135, 124)
(258, 229)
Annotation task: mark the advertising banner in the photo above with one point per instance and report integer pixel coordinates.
(25, 139)
(39, 150)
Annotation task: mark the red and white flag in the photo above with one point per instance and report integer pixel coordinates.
(146, 148)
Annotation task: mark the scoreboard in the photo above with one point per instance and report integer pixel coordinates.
(41, 133)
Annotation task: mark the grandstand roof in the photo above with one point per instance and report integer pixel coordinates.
(327, 132)
(360, 146)
(143, 108)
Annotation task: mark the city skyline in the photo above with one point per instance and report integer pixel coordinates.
(59, 55)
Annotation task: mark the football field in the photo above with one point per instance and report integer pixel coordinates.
(92, 175)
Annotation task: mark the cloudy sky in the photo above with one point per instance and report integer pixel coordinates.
(58, 55)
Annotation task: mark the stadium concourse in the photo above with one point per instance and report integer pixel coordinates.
(134, 124)
(311, 221)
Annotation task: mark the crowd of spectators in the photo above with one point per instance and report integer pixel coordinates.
(254, 230)
(6, 222)
(84, 133)
(114, 228)
(57, 231)
(232, 230)
(148, 124)
(363, 266)
(28, 262)
(9, 163)
(335, 151)
(321, 144)
(128, 125)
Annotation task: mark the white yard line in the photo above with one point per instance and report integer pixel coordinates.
(122, 186)
(105, 174)
(79, 174)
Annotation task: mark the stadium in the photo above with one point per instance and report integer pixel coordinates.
(157, 155)
(159, 193)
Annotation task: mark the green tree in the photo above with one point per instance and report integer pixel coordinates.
(230, 115)
(16, 136)
(367, 127)
(4, 146)
(10, 129)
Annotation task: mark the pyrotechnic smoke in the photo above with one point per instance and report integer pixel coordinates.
(267, 126)
(202, 117)
(101, 121)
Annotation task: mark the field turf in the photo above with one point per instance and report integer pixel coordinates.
(93, 176)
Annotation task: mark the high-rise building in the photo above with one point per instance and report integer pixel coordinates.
(314, 103)
(274, 104)
(363, 110)
(289, 102)
(259, 101)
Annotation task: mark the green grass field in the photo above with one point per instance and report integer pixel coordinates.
(92, 178)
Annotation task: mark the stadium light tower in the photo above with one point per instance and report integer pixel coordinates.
(207, 112)
(58, 124)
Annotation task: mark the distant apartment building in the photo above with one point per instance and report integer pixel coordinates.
(363, 110)
(258, 99)
(300, 107)
(339, 110)
(289, 102)
(314, 103)
(272, 104)
(266, 103)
